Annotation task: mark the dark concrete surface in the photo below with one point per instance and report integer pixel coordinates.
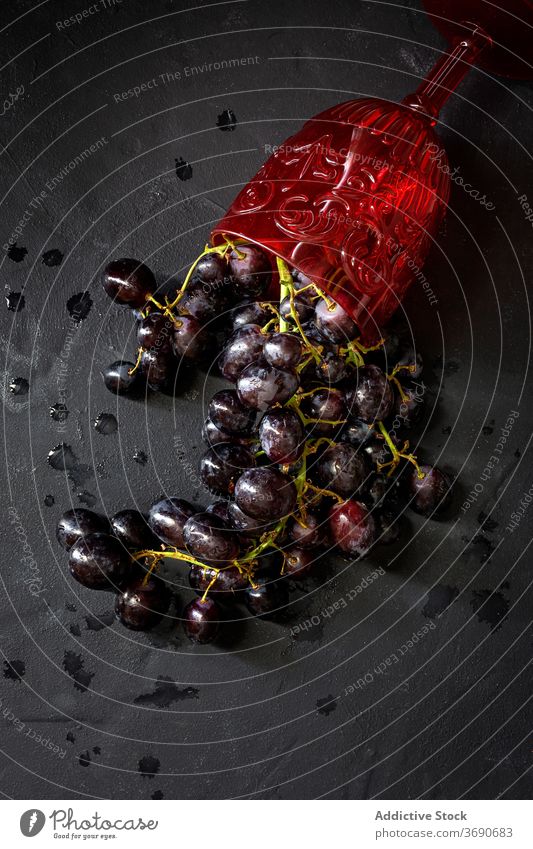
(269, 715)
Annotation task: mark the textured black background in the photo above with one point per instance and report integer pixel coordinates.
(266, 716)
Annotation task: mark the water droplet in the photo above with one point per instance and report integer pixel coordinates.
(63, 459)
(49, 500)
(15, 253)
(52, 257)
(86, 498)
(15, 301)
(59, 413)
(227, 120)
(141, 458)
(183, 169)
(79, 305)
(106, 424)
(19, 386)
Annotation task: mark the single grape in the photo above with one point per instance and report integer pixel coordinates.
(212, 269)
(204, 301)
(190, 339)
(142, 604)
(313, 535)
(298, 563)
(260, 386)
(303, 310)
(128, 282)
(301, 281)
(243, 348)
(159, 368)
(341, 469)
(117, 378)
(281, 435)
(283, 350)
(432, 493)
(325, 405)
(265, 494)
(246, 526)
(224, 584)
(229, 415)
(252, 312)
(220, 509)
(251, 270)
(410, 409)
(77, 523)
(222, 464)
(334, 322)
(132, 529)
(167, 518)
(332, 367)
(211, 434)
(201, 619)
(99, 562)
(155, 332)
(372, 398)
(357, 432)
(384, 493)
(267, 598)
(208, 538)
(352, 528)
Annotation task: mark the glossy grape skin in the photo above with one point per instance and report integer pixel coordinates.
(211, 434)
(372, 398)
(209, 539)
(229, 415)
(155, 332)
(411, 408)
(99, 562)
(341, 469)
(334, 323)
(267, 598)
(352, 528)
(281, 435)
(224, 585)
(220, 509)
(384, 493)
(190, 339)
(212, 269)
(357, 432)
(283, 350)
(77, 523)
(251, 312)
(312, 536)
(430, 495)
(326, 405)
(132, 529)
(201, 620)
(265, 494)
(204, 301)
(299, 563)
(222, 464)
(251, 270)
(243, 348)
(129, 282)
(118, 379)
(159, 368)
(303, 310)
(167, 518)
(245, 525)
(142, 605)
(332, 368)
(260, 386)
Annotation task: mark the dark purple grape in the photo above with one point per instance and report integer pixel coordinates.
(251, 270)
(159, 368)
(382, 492)
(224, 584)
(246, 526)
(410, 409)
(267, 598)
(212, 269)
(211, 435)
(283, 350)
(325, 405)
(341, 469)
(251, 312)
(167, 518)
(222, 464)
(265, 494)
(298, 563)
(77, 523)
(303, 310)
(388, 529)
(358, 432)
(334, 322)
(313, 535)
(132, 529)
(301, 281)
(128, 282)
(201, 619)
(155, 333)
(143, 603)
(229, 415)
(190, 339)
(204, 301)
(99, 562)
(430, 494)
(352, 528)
(332, 368)
(118, 379)
(372, 398)
(208, 538)
(281, 436)
(243, 348)
(220, 509)
(260, 386)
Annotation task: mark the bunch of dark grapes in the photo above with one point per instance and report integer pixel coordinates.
(307, 449)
